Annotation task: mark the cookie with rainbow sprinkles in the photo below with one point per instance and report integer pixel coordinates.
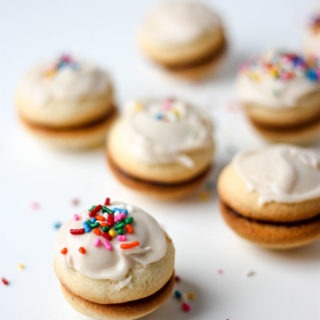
(67, 103)
(280, 93)
(114, 261)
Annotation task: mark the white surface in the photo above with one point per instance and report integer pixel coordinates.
(285, 285)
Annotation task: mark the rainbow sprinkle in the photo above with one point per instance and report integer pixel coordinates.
(63, 62)
(184, 297)
(282, 66)
(314, 23)
(106, 223)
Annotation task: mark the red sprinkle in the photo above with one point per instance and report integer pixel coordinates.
(186, 307)
(94, 211)
(107, 202)
(82, 250)
(77, 231)
(64, 251)
(106, 235)
(5, 281)
(129, 245)
(110, 222)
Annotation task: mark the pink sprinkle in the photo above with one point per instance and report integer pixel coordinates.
(35, 206)
(186, 307)
(76, 217)
(220, 271)
(107, 244)
(97, 243)
(119, 217)
(122, 238)
(167, 105)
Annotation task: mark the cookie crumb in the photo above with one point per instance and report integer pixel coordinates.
(251, 273)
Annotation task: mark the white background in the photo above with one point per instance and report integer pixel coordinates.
(285, 284)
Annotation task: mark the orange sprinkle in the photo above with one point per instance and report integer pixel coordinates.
(100, 218)
(129, 245)
(64, 250)
(97, 231)
(82, 250)
(129, 228)
(103, 224)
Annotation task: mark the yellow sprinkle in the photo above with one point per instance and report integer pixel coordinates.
(21, 266)
(204, 196)
(112, 233)
(50, 73)
(191, 295)
(138, 106)
(175, 112)
(255, 76)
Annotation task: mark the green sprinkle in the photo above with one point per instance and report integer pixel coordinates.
(95, 225)
(120, 225)
(120, 231)
(92, 208)
(129, 220)
(105, 229)
(106, 209)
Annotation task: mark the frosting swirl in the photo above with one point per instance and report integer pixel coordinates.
(63, 79)
(166, 131)
(281, 173)
(105, 241)
(278, 79)
(179, 22)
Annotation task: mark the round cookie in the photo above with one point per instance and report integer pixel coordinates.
(67, 103)
(162, 147)
(312, 36)
(114, 262)
(280, 94)
(272, 197)
(186, 38)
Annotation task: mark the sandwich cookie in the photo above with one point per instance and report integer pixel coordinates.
(280, 93)
(272, 196)
(162, 147)
(186, 38)
(114, 262)
(68, 103)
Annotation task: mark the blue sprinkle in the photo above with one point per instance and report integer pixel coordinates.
(93, 220)
(57, 225)
(298, 61)
(86, 226)
(177, 294)
(159, 116)
(312, 75)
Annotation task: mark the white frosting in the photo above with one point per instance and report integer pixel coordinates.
(44, 82)
(281, 173)
(166, 131)
(100, 263)
(179, 22)
(257, 85)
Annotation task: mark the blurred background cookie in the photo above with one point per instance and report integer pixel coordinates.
(66, 102)
(280, 93)
(186, 38)
(161, 147)
(272, 196)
